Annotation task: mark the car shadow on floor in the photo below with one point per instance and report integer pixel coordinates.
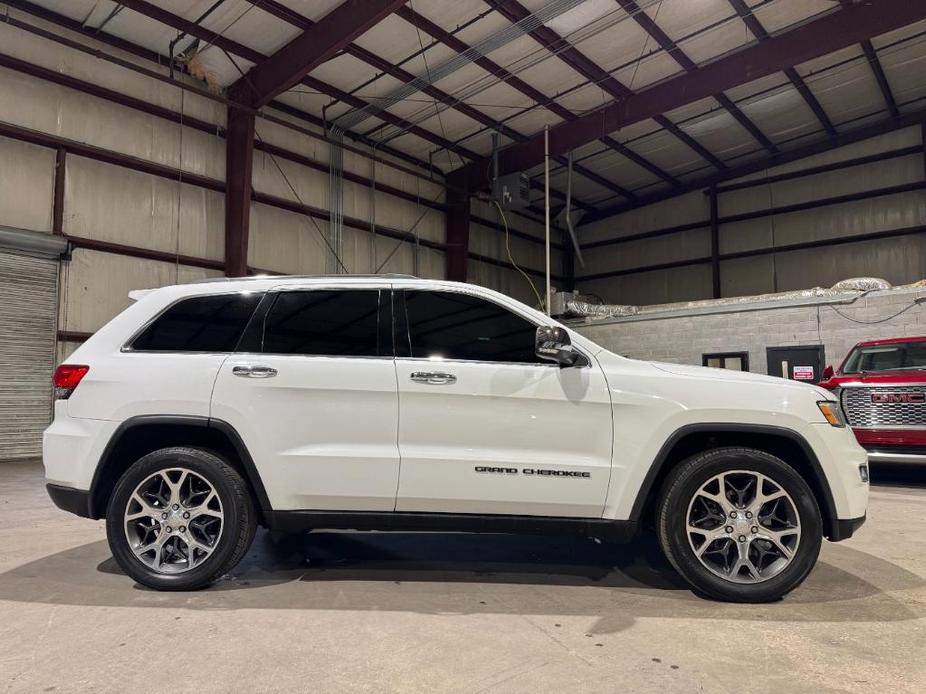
(449, 573)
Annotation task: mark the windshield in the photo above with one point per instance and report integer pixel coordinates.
(903, 355)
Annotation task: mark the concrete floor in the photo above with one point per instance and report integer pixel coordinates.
(421, 612)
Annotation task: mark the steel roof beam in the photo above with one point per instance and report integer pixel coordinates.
(286, 68)
(290, 16)
(513, 11)
(153, 12)
(669, 46)
(515, 82)
(832, 32)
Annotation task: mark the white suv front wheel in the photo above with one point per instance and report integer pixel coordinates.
(179, 518)
(739, 524)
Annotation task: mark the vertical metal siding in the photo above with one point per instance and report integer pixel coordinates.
(28, 289)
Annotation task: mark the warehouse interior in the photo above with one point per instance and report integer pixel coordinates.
(688, 181)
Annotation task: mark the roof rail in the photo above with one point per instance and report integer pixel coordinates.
(385, 275)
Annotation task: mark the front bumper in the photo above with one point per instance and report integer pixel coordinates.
(844, 528)
(76, 501)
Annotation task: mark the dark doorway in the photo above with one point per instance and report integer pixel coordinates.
(737, 361)
(803, 363)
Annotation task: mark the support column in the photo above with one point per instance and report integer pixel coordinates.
(57, 215)
(715, 242)
(239, 154)
(923, 142)
(456, 224)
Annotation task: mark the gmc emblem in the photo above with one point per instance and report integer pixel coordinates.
(891, 398)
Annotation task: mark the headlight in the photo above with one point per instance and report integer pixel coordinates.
(832, 412)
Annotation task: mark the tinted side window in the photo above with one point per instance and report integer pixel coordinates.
(457, 326)
(328, 323)
(200, 324)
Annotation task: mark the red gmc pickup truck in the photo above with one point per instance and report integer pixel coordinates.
(881, 385)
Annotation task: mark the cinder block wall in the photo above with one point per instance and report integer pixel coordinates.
(684, 337)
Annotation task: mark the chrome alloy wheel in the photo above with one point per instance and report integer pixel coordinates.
(743, 526)
(173, 520)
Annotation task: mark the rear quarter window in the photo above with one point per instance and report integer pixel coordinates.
(199, 324)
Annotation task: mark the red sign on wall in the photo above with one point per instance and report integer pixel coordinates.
(802, 373)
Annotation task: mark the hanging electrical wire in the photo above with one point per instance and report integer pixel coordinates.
(501, 212)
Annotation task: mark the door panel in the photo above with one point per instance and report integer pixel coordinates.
(496, 436)
(796, 363)
(322, 429)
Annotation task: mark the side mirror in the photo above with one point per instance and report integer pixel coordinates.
(827, 373)
(553, 344)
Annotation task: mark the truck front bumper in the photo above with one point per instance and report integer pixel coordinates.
(876, 455)
(902, 445)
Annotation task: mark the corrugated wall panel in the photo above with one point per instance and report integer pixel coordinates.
(680, 210)
(95, 285)
(57, 110)
(312, 189)
(899, 260)
(83, 66)
(662, 249)
(284, 241)
(654, 287)
(856, 179)
(27, 181)
(111, 203)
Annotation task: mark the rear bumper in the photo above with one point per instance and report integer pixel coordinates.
(72, 447)
(76, 501)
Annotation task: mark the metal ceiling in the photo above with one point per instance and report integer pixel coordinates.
(436, 78)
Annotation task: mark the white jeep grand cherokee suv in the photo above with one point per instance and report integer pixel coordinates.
(394, 403)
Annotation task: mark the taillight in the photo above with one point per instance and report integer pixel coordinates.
(66, 378)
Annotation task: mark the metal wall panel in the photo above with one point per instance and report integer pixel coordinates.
(312, 189)
(115, 204)
(899, 260)
(89, 68)
(27, 180)
(51, 108)
(27, 351)
(654, 287)
(680, 210)
(95, 285)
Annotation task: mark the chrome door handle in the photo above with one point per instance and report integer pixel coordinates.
(254, 371)
(434, 378)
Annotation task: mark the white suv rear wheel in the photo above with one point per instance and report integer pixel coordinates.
(179, 518)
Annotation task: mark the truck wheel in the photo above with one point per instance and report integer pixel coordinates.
(179, 518)
(739, 524)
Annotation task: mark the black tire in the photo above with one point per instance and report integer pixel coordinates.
(238, 527)
(672, 515)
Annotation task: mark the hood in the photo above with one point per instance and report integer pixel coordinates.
(886, 378)
(727, 375)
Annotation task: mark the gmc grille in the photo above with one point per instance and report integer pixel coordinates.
(860, 411)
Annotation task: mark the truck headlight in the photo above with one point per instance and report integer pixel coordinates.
(832, 412)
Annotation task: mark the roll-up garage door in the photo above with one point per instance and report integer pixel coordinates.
(28, 304)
